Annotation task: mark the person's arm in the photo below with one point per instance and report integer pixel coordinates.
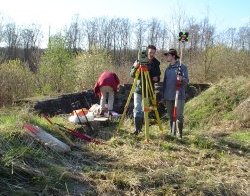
(117, 82)
(185, 78)
(164, 82)
(97, 89)
(157, 73)
(134, 69)
(116, 79)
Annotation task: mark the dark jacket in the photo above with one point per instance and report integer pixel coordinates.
(169, 82)
(154, 71)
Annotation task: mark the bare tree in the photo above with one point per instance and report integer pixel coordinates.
(140, 28)
(74, 35)
(90, 28)
(1, 29)
(114, 24)
(154, 28)
(164, 36)
(231, 37)
(207, 33)
(125, 33)
(194, 30)
(30, 38)
(12, 39)
(193, 50)
(206, 44)
(244, 38)
(1, 38)
(176, 24)
(103, 33)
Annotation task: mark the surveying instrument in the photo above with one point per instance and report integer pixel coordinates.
(149, 102)
(183, 37)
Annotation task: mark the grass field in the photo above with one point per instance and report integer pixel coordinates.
(211, 159)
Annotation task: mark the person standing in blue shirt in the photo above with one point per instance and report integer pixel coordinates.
(169, 88)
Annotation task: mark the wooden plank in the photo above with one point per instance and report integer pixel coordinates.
(101, 119)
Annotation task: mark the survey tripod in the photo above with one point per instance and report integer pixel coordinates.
(149, 102)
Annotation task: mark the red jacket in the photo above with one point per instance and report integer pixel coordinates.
(106, 79)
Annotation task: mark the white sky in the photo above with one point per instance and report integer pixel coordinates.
(58, 13)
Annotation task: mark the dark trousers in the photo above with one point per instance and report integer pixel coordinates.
(179, 113)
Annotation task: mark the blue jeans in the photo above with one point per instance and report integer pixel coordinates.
(138, 112)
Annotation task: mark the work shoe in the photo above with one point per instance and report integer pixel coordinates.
(136, 132)
(180, 128)
(173, 131)
(110, 113)
(103, 111)
(138, 125)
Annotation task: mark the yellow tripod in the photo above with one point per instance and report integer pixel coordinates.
(148, 96)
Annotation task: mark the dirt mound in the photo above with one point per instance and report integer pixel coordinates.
(243, 110)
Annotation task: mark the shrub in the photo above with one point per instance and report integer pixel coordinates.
(16, 82)
(90, 65)
(56, 72)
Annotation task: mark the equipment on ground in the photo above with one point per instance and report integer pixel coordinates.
(45, 138)
(74, 132)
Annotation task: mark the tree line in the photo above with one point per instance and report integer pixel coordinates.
(121, 36)
(76, 56)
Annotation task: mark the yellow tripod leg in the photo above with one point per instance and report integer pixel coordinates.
(128, 100)
(154, 102)
(145, 101)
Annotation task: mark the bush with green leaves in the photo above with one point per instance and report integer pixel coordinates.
(216, 63)
(57, 71)
(16, 81)
(90, 65)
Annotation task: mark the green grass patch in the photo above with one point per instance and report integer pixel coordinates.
(204, 162)
(203, 142)
(241, 137)
(217, 103)
(239, 141)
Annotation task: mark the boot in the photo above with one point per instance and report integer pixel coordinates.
(138, 125)
(171, 131)
(180, 128)
(171, 123)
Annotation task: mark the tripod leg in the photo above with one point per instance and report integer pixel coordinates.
(128, 100)
(145, 101)
(154, 102)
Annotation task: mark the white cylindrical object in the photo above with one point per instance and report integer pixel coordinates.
(75, 119)
(46, 138)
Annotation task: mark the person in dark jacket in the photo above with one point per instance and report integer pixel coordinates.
(154, 72)
(169, 88)
(108, 82)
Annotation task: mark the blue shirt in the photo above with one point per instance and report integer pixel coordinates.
(169, 82)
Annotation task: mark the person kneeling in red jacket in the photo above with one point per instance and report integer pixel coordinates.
(108, 82)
